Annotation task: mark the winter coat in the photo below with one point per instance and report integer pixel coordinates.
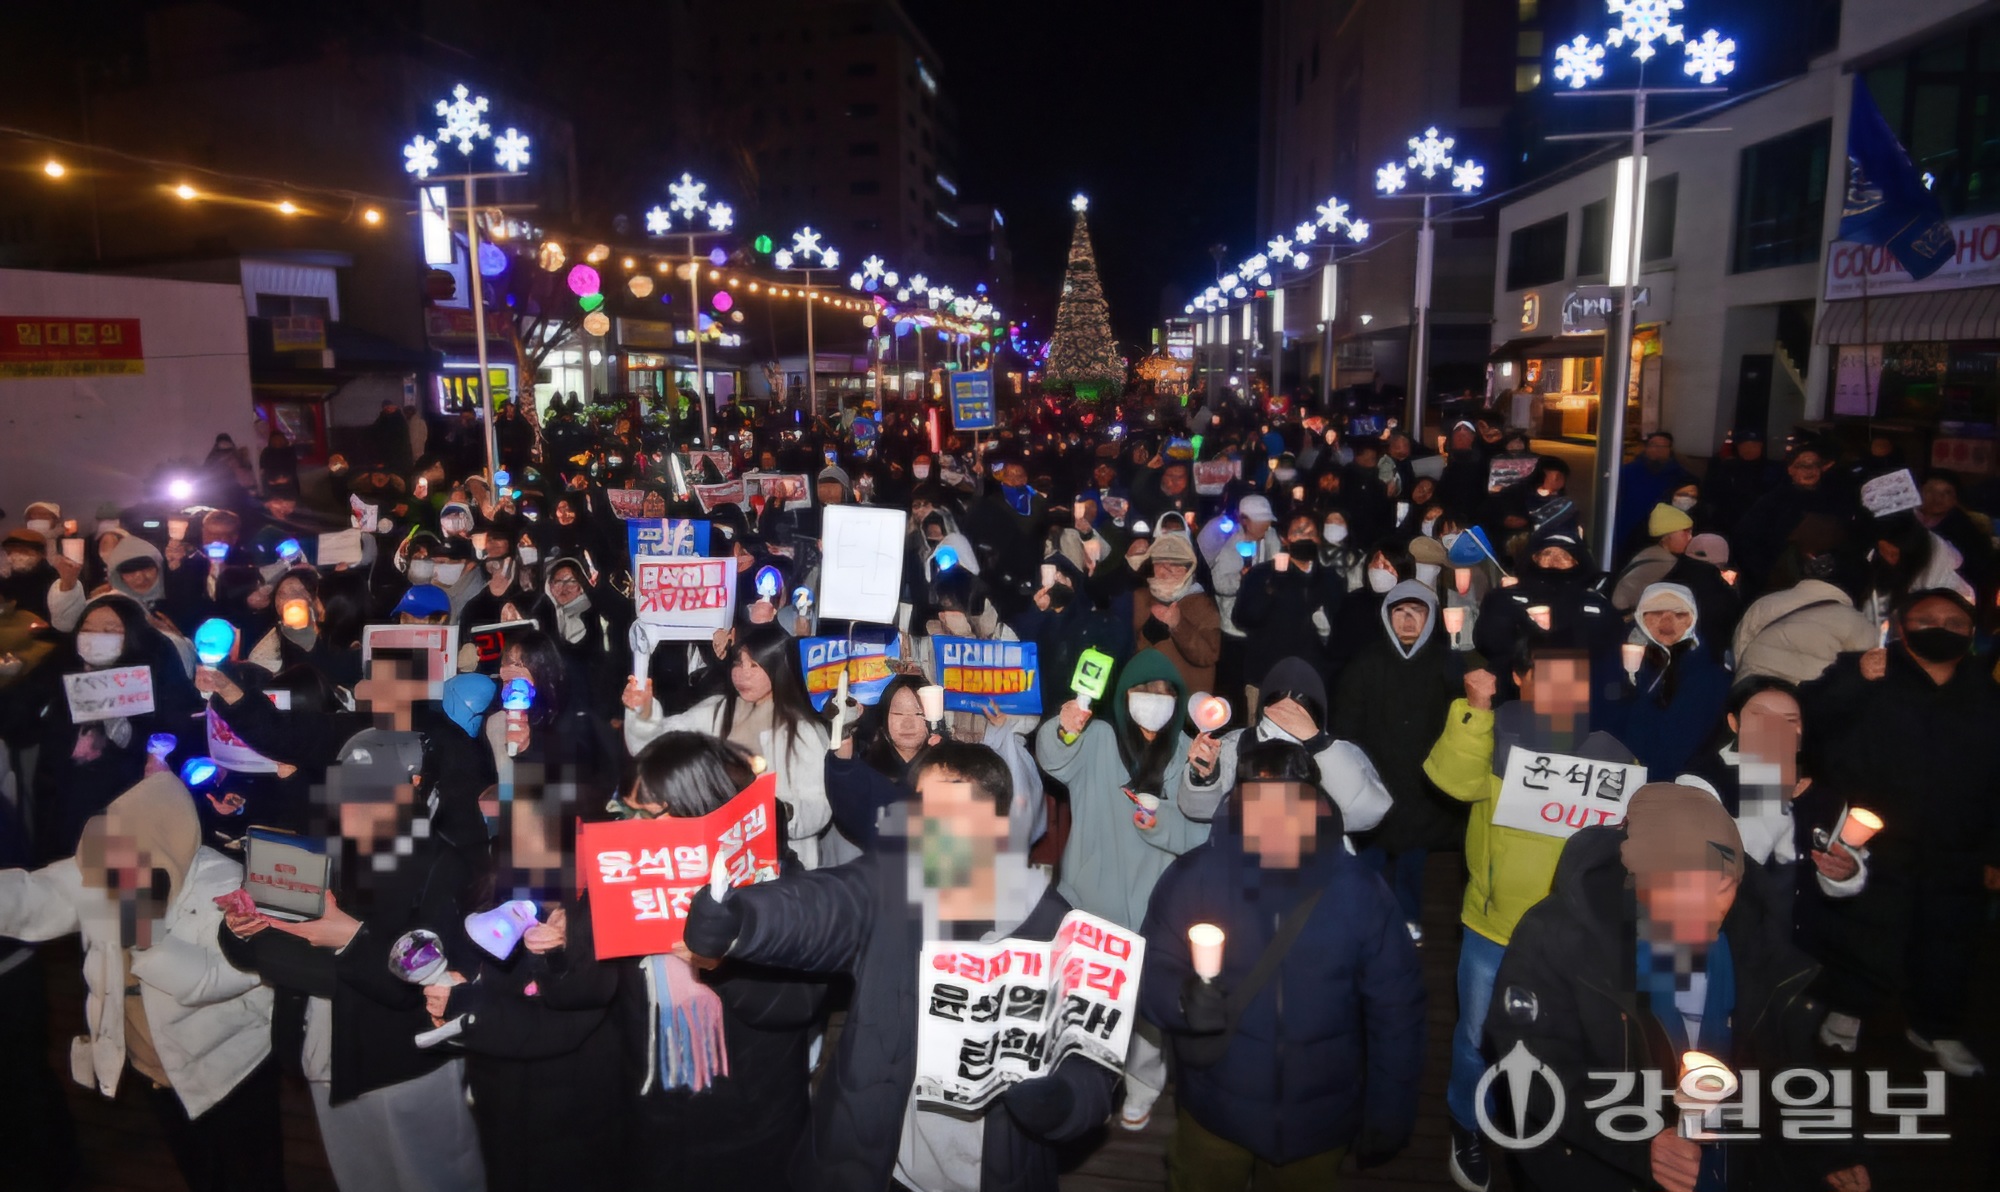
(1668, 713)
(1509, 870)
(1641, 486)
(1282, 611)
(1794, 634)
(1766, 527)
(1192, 645)
(1579, 618)
(1566, 990)
(1333, 1043)
(1392, 701)
(798, 761)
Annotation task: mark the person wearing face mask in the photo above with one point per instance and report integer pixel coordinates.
(1387, 565)
(1537, 501)
(1339, 551)
(1556, 572)
(1676, 700)
(456, 572)
(1289, 606)
(1907, 558)
(1672, 559)
(295, 639)
(1905, 730)
(29, 575)
(1173, 615)
(1124, 773)
(964, 611)
(1221, 542)
(510, 590)
(133, 568)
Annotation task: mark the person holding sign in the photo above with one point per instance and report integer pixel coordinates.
(1907, 558)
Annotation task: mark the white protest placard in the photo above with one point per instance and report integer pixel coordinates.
(341, 546)
(1507, 470)
(109, 694)
(439, 642)
(1211, 476)
(861, 567)
(230, 751)
(1554, 794)
(992, 1015)
(1889, 494)
(687, 599)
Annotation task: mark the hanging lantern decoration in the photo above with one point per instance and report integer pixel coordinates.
(598, 253)
(584, 280)
(640, 285)
(552, 256)
(597, 322)
(492, 260)
(721, 300)
(736, 316)
(590, 302)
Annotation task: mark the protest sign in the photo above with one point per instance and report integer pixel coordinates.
(867, 659)
(711, 495)
(1504, 471)
(1211, 476)
(642, 874)
(626, 503)
(973, 671)
(229, 751)
(788, 490)
(1889, 494)
(673, 537)
(724, 466)
(972, 405)
(491, 641)
(1554, 794)
(341, 546)
(992, 1015)
(109, 694)
(688, 599)
(440, 642)
(861, 567)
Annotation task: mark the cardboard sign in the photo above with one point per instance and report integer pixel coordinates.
(1554, 794)
(1889, 494)
(972, 406)
(491, 641)
(689, 599)
(723, 463)
(626, 503)
(789, 490)
(642, 874)
(973, 671)
(1503, 472)
(440, 642)
(366, 517)
(673, 537)
(867, 659)
(992, 1015)
(861, 569)
(711, 495)
(1213, 475)
(109, 694)
(341, 546)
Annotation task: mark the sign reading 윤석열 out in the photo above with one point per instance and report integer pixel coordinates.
(1554, 794)
(69, 346)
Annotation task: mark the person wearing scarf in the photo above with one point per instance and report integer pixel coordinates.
(1175, 616)
(1677, 697)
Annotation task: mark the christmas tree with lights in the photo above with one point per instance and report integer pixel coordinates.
(1083, 358)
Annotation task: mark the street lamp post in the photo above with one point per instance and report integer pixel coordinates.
(1333, 219)
(806, 246)
(464, 123)
(688, 201)
(1429, 155)
(1580, 62)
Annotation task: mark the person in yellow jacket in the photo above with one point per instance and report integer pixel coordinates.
(1510, 869)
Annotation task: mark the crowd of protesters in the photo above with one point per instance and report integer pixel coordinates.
(1396, 627)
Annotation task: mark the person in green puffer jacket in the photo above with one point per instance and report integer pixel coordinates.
(1509, 869)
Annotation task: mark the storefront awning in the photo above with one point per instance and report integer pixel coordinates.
(1942, 315)
(1549, 347)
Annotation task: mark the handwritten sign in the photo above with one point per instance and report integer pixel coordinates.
(674, 537)
(868, 660)
(341, 546)
(1889, 494)
(643, 874)
(1554, 794)
(973, 671)
(1213, 475)
(1504, 471)
(711, 495)
(626, 503)
(861, 571)
(688, 599)
(992, 1015)
(109, 694)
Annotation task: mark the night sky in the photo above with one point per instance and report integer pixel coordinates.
(1150, 109)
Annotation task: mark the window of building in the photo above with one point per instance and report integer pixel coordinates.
(1526, 78)
(1528, 43)
(278, 306)
(1656, 243)
(1780, 197)
(1535, 253)
(1943, 102)
(1593, 243)
(864, 149)
(861, 70)
(865, 186)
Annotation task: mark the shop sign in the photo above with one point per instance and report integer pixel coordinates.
(1976, 263)
(652, 334)
(1590, 308)
(68, 346)
(455, 322)
(1531, 311)
(298, 333)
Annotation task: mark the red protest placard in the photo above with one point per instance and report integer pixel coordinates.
(643, 874)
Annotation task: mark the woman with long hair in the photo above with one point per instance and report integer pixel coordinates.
(766, 711)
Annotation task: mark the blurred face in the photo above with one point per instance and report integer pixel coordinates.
(1750, 450)
(1280, 821)
(1940, 497)
(1659, 449)
(1769, 731)
(1685, 907)
(1407, 621)
(1173, 480)
(752, 682)
(1014, 476)
(905, 723)
(1805, 469)
(1559, 689)
(959, 836)
(1668, 625)
(116, 864)
(1554, 558)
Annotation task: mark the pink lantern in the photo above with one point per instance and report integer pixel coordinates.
(584, 280)
(722, 300)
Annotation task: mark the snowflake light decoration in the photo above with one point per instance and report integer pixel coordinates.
(1080, 203)
(1643, 22)
(890, 278)
(919, 283)
(1579, 61)
(720, 216)
(420, 156)
(1304, 233)
(1391, 178)
(1300, 260)
(782, 258)
(805, 243)
(1468, 176)
(687, 195)
(658, 221)
(510, 150)
(1229, 281)
(829, 259)
(1256, 264)
(872, 267)
(945, 293)
(1711, 57)
(903, 295)
(462, 121)
(1332, 214)
(1358, 230)
(1429, 153)
(1280, 247)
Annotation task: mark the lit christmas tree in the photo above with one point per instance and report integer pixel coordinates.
(1083, 358)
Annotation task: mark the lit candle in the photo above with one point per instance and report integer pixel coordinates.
(1539, 614)
(932, 699)
(1205, 943)
(1858, 827)
(1729, 577)
(1632, 653)
(1461, 578)
(1508, 581)
(1454, 621)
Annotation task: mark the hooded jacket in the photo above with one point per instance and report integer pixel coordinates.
(1193, 644)
(1796, 633)
(1333, 1043)
(1667, 713)
(1392, 702)
(67, 608)
(1282, 612)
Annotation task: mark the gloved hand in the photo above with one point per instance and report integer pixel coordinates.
(1375, 1146)
(1040, 1105)
(712, 926)
(1202, 1003)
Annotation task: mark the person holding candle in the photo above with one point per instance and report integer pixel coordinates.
(1675, 698)
(1308, 1043)
(1557, 572)
(1671, 560)
(1288, 605)
(29, 574)
(1174, 616)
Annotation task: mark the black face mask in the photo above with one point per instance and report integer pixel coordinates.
(1938, 645)
(1304, 550)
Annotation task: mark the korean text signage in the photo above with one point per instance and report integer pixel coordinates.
(48, 346)
(1554, 794)
(1591, 308)
(643, 874)
(973, 671)
(1976, 263)
(868, 664)
(689, 599)
(972, 401)
(991, 1015)
(109, 694)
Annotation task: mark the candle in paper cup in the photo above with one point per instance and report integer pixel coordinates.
(1729, 577)
(1508, 581)
(932, 699)
(1454, 620)
(177, 528)
(1632, 654)
(1858, 827)
(1539, 614)
(1705, 1081)
(1205, 942)
(72, 549)
(1461, 578)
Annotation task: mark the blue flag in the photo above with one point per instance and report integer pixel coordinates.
(1886, 202)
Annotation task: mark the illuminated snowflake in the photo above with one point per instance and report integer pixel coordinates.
(658, 221)
(1391, 178)
(1304, 233)
(687, 194)
(872, 267)
(1468, 176)
(1080, 204)
(829, 259)
(1256, 264)
(420, 156)
(1229, 281)
(1430, 153)
(510, 150)
(1711, 57)
(1358, 230)
(1332, 214)
(1300, 260)
(1579, 62)
(462, 121)
(890, 278)
(782, 258)
(720, 216)
(1643, 22)
(903, 295)
(805, 242)
(944, 293)
(1280, 247)
(855, 280)
(919, 283)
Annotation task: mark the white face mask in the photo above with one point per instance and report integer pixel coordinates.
(1284, 475)
(1380, 580)
(23, 562)
(955, 623)
(1683, 503)
(456, 525)
(42, 526)
(1149, 710)
(530, 556)
(422, 571)
(1335, 532)
(100, 649)
(450, 573)
(1430, 527)
(1427, 573)
(921, 471)
(1449, 539)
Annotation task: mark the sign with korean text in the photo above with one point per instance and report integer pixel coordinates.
(992, 1015)
(1554, 794)
(298, 333)
(643, 874)
(711, 495)
(974, 671)
(1892, 493)
(972, 405)
(109, 694)
(868, 658)
(69, 346)
(491, 641)
(689, 599)
(626, 503)
(675, 537)
(1211, 476)
(234, 754)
